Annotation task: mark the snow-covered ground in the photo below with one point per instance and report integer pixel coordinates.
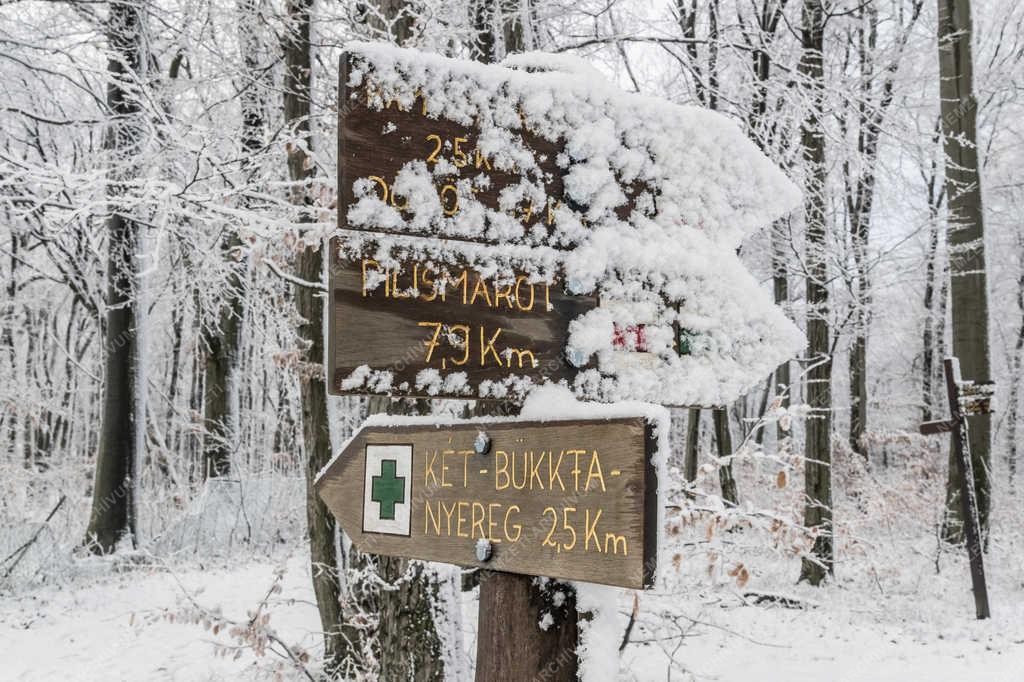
(118, 626)
(845, 637)
(899, 607)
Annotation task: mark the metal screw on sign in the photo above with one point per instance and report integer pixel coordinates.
(966, 398)
(484, 550)
(575, 358)
(482, 445)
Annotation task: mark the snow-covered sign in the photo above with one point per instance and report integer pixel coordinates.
(574, 499)
(446, 332)
(536, 169)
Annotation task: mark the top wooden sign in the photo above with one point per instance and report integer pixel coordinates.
(540, 174)
(503, 185)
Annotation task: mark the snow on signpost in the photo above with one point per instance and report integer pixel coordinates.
(527, 232)
(485, 210)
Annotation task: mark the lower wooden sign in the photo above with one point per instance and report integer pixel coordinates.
(575, 500)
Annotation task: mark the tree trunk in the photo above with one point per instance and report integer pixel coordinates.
(780, 287)
(859, 385)
(113, 500)
(763, 130)
(860, 181)
(1014, 397)
(177, 324)
(309, 303)
(220, 398)
(222, 344)
(935, 313)
(410, 648)
(9, 417)
(966, 239)
(391, 20)
(723, 440)
(928, 358)
(483, 48)
(817, 444)
(692, 441)
(511, 647)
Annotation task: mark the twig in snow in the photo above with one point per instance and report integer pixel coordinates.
(632, 621)
(786, 602)
(23, 549)
(288, 277)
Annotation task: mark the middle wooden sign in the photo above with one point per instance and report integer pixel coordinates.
(418, 330)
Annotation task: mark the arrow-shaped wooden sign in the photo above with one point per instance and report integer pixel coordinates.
(567, 499)
(484, 211)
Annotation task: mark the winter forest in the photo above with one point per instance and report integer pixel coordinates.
(835, 219)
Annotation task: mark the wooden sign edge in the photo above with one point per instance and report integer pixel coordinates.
(652, 513)
(332, 325)
(649, 565)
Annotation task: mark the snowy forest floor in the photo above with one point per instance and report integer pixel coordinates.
(899, 607)
(116, 627)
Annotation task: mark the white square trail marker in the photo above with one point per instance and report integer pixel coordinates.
(387, 488)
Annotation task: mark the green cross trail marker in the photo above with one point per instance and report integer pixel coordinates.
(388, 489)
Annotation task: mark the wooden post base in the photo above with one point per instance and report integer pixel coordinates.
(511, 647)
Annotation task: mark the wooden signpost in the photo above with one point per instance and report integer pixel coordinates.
(429, 185)
(564, 499)
(966, 398)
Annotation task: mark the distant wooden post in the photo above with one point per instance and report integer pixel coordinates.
(966, 398)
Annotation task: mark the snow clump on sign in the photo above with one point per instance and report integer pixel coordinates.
(651, 201)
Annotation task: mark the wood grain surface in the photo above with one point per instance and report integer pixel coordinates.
(392, 330)
(572, 524)
(378, 142)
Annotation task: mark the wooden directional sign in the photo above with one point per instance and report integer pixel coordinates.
(367, 151)
(966, 398)
(421, 332)
(527, 173)
(379, 136)
(416, 330)
(567, 499)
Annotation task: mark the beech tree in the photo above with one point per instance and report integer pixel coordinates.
(818, 390)
(966, 237)
(309, 302)
(113, 497)
(876, 85)
(221, 335)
